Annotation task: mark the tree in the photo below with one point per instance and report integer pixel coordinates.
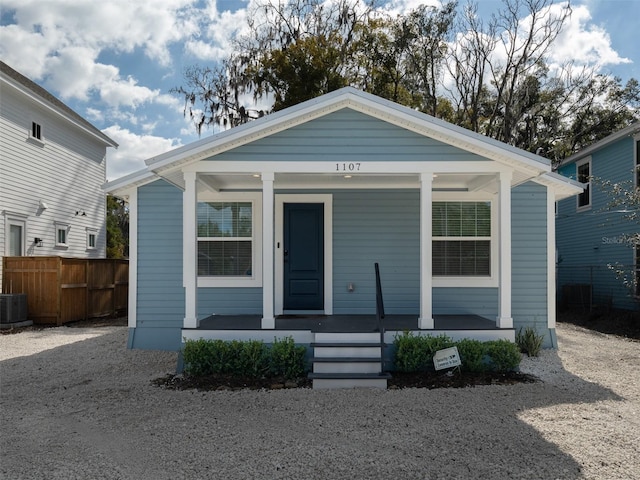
(499, 68)
(493, 78)
(433, 30)
(212, 97)
(117, 228)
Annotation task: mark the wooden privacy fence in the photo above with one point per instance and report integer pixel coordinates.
(61, 290)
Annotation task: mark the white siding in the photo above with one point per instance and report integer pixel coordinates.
(65, 171)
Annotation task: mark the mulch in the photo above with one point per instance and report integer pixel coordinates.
(399, 380)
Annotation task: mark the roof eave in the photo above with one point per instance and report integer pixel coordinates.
(629, 131)
(359, 101)
(563, 187)
(24, 90)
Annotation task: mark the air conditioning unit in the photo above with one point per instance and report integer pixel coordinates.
(13, 307)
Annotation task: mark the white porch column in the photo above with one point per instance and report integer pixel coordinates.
(268, 319)
(426, 253)
(551, 258)
(189, 250)
(504, 319)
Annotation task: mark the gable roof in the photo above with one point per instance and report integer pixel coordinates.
(629, 131)
(168, 165)
(42, 96)
(349, 97)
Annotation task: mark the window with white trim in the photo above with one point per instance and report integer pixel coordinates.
(92, 235)
(229, 239)
(462, 239)
(36, 131)
(583, 173)
(62, 234)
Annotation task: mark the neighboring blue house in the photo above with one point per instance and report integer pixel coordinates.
(273, 228)
(590, 233)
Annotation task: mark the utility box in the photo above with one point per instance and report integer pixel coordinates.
(13, 307)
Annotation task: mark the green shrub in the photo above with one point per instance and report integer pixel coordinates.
(250, 359)
(204, 357)
(472, 355)
(287, 359)
(503, 355)
(414, 353)
(529, 341)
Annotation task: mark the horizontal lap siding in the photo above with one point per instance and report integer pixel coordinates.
(384, 227)
(65, 171)
(229, 301)
(370, 227)
(586, 240)
(529, 255)
(160, 290)
(463, 301)
(346, 135)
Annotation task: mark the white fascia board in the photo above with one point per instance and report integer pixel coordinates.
(629, 131)
(243, 134)
(48, 106)
(448, 133)
(562, 186)
(368, 104)
(134, 180)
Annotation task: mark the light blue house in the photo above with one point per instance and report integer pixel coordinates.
(273, 229)
(590, 233)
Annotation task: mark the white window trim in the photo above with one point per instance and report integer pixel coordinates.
(12, 218)
(474, 282)
(586, 207)
(94, 232)
(62, 226)
(31, 137)
(255, 280)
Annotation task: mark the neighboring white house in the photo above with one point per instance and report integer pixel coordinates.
(52, 166)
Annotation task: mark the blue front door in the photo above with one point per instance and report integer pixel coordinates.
(303, 256)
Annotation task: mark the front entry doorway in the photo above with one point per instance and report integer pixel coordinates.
(303, 256)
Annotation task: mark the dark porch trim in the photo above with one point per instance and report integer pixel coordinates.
(344, 323)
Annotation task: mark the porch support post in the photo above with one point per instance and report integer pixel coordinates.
(504, 319)
(426, 253)
(268, 319)
(189, 250)
(551, 259)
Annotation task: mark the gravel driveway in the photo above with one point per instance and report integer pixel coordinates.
(76, 404)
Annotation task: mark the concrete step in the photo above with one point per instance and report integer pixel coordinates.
(346, 350)
(347, 337)
(349, 380)
(346, 365)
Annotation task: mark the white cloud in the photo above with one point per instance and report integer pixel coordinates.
(584, 42)
(62, 43)
(94, 115)
(134, 149)
(217, 30)
(400, 7)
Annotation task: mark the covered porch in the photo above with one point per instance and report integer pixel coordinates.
(303, 327)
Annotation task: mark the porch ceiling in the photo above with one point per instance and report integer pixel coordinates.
(442, 182)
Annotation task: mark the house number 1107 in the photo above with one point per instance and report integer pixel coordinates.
(348, 167)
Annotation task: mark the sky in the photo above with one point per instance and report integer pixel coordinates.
(115, 61)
